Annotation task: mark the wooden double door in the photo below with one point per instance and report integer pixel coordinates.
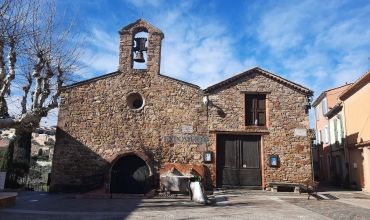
(239, 160)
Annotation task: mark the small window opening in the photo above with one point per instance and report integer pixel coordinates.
(135, 101)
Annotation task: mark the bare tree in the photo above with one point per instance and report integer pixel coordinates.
(41, 49)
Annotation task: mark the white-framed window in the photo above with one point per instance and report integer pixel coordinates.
(323, 105)
(326, 135)
(318, 137)
(317, 110)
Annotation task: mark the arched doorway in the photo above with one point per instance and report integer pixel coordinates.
(128, 175)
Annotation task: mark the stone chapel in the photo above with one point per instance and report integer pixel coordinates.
(249, 130)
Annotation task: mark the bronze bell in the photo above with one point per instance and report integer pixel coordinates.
(139, 57)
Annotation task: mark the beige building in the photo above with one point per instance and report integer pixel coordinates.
(249, 130)
(357, 125)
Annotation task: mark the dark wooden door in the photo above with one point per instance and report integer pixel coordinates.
(128, 175)
(238, 160)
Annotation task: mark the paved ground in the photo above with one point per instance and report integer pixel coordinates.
(226, 204)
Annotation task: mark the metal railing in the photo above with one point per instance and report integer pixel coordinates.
(151, 182)
(92, 182)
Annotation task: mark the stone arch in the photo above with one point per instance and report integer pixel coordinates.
(114, 158)
(136, 30)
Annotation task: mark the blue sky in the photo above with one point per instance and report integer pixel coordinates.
(318, 44)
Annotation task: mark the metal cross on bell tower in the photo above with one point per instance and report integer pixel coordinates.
(139, 48)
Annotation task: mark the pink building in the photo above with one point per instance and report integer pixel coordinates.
(327, 100)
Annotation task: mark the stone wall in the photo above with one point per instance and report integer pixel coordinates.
(98, 124)
(285, 113)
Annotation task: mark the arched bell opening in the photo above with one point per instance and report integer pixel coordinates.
(128, 175)
(139, 49)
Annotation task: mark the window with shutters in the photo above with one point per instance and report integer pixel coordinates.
(317, 110)
(336, 132)
(255, 110)
(323, 105)
(318, 137)
(326, 137)
(341, 127)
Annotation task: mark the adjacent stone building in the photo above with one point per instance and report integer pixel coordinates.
(248, 130)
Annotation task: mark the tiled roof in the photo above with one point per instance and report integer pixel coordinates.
(4, 142)
(323, 94)
(263, 72)
(362, 81)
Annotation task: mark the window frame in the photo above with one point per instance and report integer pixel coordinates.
(255, 110)
(317, 113)
(323, 107)
(326, 134)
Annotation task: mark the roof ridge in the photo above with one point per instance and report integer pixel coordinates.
(267, 73)
(129, 26)
(354, 87)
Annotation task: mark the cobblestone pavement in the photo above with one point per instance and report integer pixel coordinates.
(226, 204)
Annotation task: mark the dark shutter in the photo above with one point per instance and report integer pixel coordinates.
(255, 109)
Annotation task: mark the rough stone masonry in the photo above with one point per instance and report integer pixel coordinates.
(166, 122)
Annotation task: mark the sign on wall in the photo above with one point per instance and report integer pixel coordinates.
(187, 129)
(2, 179)
(186, 139)
(299, 132)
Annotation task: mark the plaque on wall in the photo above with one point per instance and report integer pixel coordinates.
(187, 129)
(298, 132)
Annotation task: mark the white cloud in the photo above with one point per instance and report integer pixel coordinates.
(141, 3)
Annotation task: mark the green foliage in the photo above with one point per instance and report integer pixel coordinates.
(196, 179)
(22, 146)
(43, 158)
(16, 158)
(2, 152)
(7, 161)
